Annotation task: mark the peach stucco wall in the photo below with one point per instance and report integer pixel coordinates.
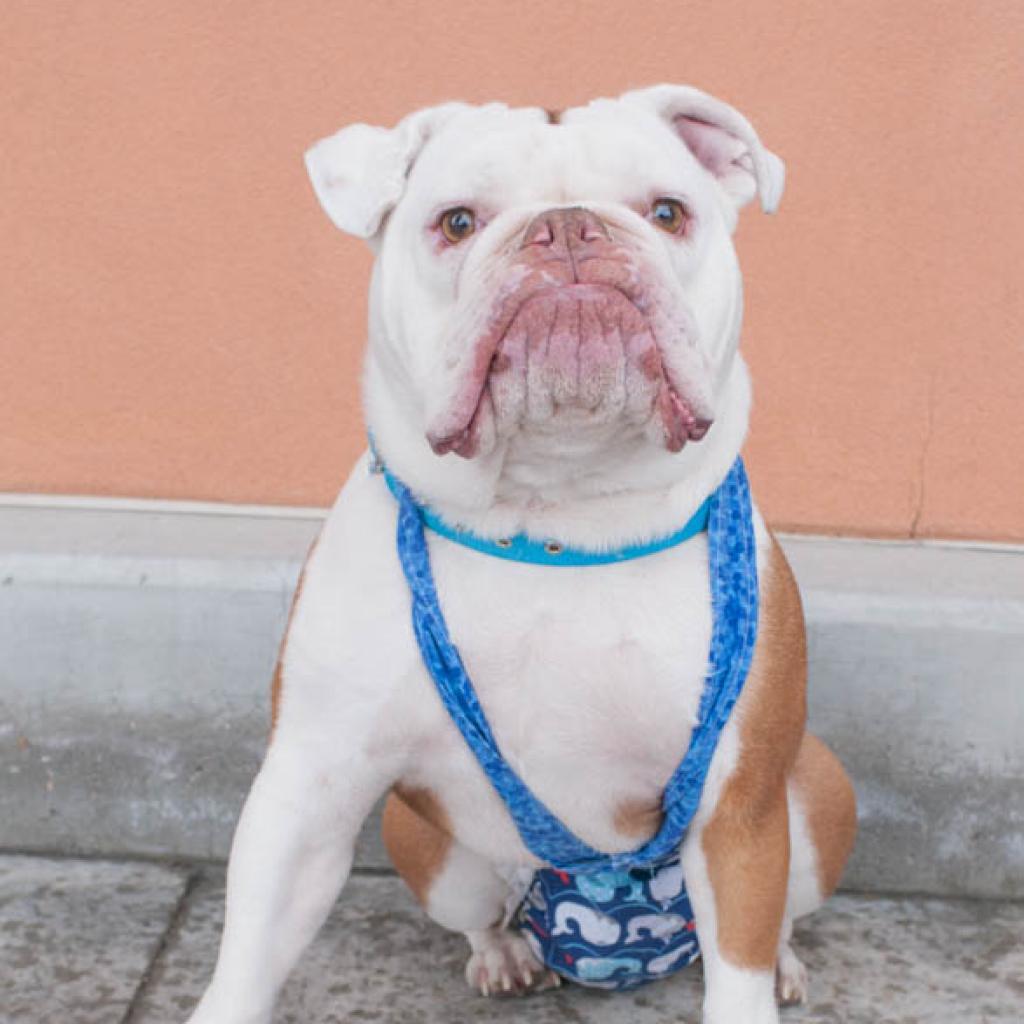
(179, 319)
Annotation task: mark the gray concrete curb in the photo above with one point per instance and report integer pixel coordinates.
(139, 645)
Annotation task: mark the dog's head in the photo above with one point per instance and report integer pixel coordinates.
(549, 286)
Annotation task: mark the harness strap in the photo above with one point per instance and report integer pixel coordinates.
(734, 594)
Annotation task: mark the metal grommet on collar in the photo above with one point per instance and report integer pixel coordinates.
(504, 542)
(374, 464)
(552, 547)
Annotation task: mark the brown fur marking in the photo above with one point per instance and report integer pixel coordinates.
(417, 836)
(746, 843)
(554, 116)
(638, 819)
(828, 801)
(277, 684)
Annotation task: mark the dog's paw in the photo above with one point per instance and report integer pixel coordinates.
(790, 978)
(503, 964)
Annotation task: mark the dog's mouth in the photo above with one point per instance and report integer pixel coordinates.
(572, 356)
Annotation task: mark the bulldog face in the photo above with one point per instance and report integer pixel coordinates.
(566, 282)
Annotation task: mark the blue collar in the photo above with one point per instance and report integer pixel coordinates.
(521, 548)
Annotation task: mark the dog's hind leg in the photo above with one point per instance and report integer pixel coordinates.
(461, 891)
(822, 827)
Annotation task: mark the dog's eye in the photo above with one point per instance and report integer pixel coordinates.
(669, 215)
(457, 224)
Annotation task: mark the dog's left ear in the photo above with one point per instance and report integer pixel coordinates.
(359, 173)
(721, 138)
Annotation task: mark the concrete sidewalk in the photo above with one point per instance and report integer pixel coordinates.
(123, 942)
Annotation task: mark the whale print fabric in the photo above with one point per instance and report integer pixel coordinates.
(610, 929)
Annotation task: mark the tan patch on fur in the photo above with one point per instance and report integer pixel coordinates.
(746, 843)
(277, 684)
(828, 801)
(554, 116)
(417, 836)
(638, 819)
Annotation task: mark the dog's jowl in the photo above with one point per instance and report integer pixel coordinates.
(544, 617)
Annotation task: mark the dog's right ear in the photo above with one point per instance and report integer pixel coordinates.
(721, 138)
(359, 173)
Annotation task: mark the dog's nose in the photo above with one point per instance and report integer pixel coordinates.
(564, 227)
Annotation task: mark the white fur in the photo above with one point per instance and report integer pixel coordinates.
(590, 677)
(804, 876)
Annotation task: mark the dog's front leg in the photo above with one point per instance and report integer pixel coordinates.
(291, 854)
(736, 874)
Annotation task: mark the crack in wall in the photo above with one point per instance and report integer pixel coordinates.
(923, 458)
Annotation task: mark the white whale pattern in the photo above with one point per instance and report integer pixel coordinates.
(593, 969)
(601, 886)
(665, 963)
(595, 927)
(667, 883)
(657, 926)
(613, 984)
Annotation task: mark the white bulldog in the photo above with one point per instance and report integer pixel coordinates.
(555, 313)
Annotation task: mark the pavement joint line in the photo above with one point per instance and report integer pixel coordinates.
(170, 933)
(197, 866)
(187, 864)
(369, 871)
(99, 857)
(920, 896)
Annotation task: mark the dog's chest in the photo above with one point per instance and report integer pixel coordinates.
(590, 678)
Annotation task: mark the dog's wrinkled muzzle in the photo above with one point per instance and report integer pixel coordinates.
(571, 337)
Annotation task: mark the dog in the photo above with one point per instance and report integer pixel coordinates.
(544, 617)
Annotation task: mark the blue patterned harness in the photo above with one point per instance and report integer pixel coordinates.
(606, 920)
